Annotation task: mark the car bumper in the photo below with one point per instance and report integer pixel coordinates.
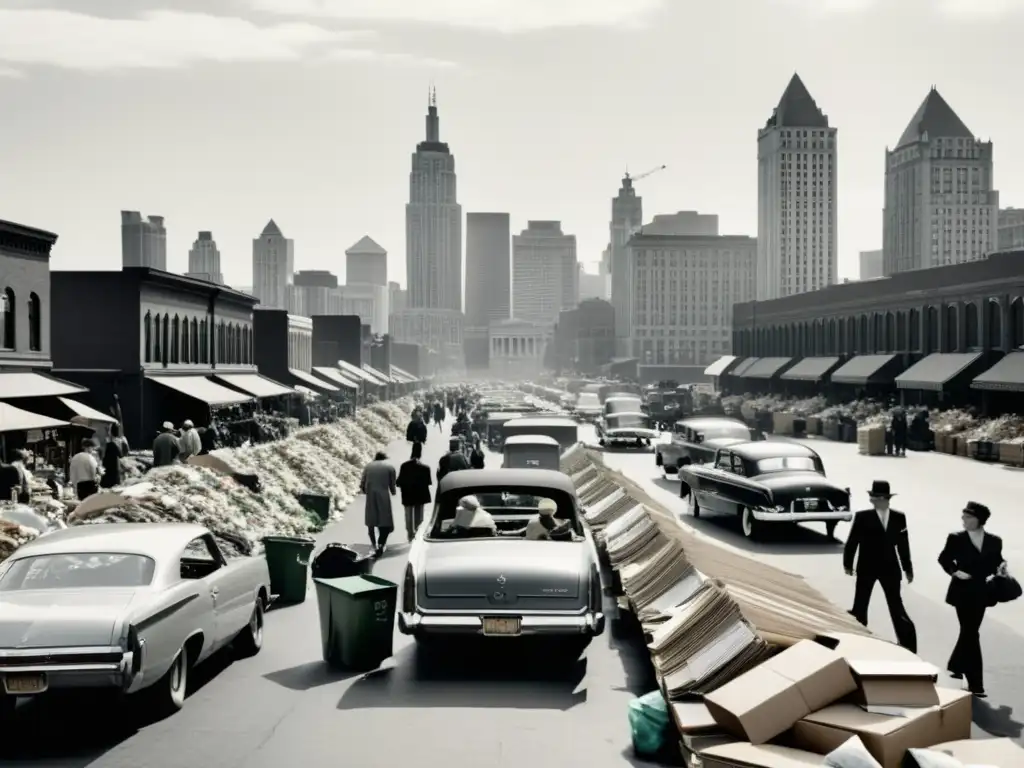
(630, 436)
(587, 624)
(64, 669)
(802, 517)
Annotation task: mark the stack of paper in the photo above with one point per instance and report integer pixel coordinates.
(575, 459)
(584, 475)
(635, 545)
(658, 610)
(595, 513)
(589, 483)
(610, 514)
(646, 580)
(601, 488)
(634, 515)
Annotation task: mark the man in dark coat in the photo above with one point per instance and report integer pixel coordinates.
(899, 432)
(439, 415)
(476, 456)
(452, 461)
(416, 431)
(414, 482)
(879, 543)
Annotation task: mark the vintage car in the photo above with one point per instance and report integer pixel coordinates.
(622, 403)
(692, 441)
(492, 580)
(532, 452)
(127, 607)
(588, 406)
(496, 422)
(562, 429)
(626, 428)
(765, 482)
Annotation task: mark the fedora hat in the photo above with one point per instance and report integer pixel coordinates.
(880, 490)
(979, 511)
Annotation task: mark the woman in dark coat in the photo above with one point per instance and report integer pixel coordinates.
(971, 557)
(115, 450)
(378, 485)
(414, 481)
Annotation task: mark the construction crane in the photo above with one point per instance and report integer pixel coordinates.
(645, 174)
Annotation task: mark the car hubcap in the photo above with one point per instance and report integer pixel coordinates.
(256, 624)
(748, 524)
(178, 675)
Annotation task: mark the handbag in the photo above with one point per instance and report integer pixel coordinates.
(1003, 589)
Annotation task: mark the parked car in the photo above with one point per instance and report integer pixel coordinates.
(626, 428)
(532, 452)
(494, 581)
(767, 482)
(561, 428)
(588, 406)
(622, 403)
(693, 441)
(131, 607)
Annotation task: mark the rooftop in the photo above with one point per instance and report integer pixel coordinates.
(367, 245)
(934, 119)
(797, 108)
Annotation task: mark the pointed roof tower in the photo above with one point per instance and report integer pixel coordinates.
(433, 141)
(271, 230)
(934, 118)
(797, 108)
(367, 245)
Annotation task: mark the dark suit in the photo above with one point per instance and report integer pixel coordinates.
(881, 554)
(969, 598)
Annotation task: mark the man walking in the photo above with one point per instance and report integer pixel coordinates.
(880, 544)
(452, 461)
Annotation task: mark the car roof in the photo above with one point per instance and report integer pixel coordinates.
(161, 541)
(623, 396)
(531, 440)
(534, 421)
(770, 449)
(703, 422)
(469, 479)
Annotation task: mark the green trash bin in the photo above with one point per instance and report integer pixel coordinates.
(288, 563)
(357, 620)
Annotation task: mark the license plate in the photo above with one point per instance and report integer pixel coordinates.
(508, 627)
(25, 685)
(810, 505)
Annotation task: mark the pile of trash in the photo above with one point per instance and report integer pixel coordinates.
(325, 460)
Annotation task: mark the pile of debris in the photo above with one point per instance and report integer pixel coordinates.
(759, 670)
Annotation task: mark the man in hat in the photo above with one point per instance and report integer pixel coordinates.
(879, 543)
(165, 447)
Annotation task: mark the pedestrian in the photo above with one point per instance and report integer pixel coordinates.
(476, 456)
(416, 432)
(452, 461)
(899, 432)
(414, 482)
(879, 542)
(378, 484)
(165, 446)
(971, 557)
(189, 444)
(115, 449)
(439, 415)
(83, 471)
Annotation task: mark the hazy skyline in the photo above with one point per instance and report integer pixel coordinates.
(222, 114)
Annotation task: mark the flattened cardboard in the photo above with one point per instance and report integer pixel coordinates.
(745, 755)
(955, 714)
(999, 752)
(887, 737)
(886, 674)
(768, 699)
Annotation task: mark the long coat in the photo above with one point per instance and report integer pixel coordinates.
(960, 554)
(378, 484)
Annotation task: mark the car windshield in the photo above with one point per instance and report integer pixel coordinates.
(726, 430)
(626, 405)
(539, 514)
(588, 400)
(628, 420)
(785, 463)
(77, 570)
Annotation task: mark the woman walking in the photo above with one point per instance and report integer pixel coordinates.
(414, 481)
(971, 557)
(378, 485)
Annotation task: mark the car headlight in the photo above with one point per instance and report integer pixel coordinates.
(779, 508)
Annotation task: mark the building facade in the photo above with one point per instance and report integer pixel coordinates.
(796, 197)
(683, 223)
(940, 204)
(369, 302)
(871, 264)
(590, 285)
(315, 292)
(684, 290)
(300, 343)
(518, 348)
(143, 241)
(366, 263)
(488, 268)
(544, 272)
(1010, 229)
(627, 216)
(273, 266)
(584, 338)
(25, 297)
(204, 259)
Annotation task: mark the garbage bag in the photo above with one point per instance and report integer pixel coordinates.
(337, 561)
(931, 758)
(852, 754)
(648, 723)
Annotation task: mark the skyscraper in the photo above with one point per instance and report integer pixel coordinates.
(545, 272)
(273, 265)
(796, 197)
(627, 215)
(366, 263)
(488, 268)
(143, 241)
(940, 204)
(204, 259)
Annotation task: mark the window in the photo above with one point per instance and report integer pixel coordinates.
(175, 340)
(7, 324)
(204, 343)
(157, 339)
(166, 339)
(35, 324)
(786, 463)
(194, 338)
(147, 338)
(186, 346)
(75, 570)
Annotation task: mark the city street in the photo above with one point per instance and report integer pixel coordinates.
(285, 707)
(931, 489)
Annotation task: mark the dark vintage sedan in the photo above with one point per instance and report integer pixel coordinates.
(766, 482)
(695, 441)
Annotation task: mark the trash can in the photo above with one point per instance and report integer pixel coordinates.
(317, 503)
(288, 563)
(357, 620)
(339, 560)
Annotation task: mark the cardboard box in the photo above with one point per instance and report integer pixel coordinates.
(886, 737)
(955, 713)
(746, 755)
(1003, 753)
(886, 674)
(767, 700)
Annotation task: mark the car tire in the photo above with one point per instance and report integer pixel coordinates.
(167, 696)
(830, 529)
(751, 526)
(658, 461)
(694, 504)
(250, 640)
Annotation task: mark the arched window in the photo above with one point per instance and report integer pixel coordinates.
(245, 345)
(914, 331)
(166, 339)
(147, 338)
(176, 340)
(186, 346)
(252, 348)
(157, 340)
(7, 325)
(995, 325)
(952, 332)
(933, 338)
(972, 330)
(195, 342)
(35, 323)
(204, 343)
(222, 337)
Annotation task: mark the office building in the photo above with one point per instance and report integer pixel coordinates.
(368, 302)
(204, 260)
(544, 272)
(366, 263)
(1010, 229)
(315, 292)
(273, 265)
(872, 264)
(627, 216)
(590, 285)
(488, 268)
(143, 241)
(683, 223)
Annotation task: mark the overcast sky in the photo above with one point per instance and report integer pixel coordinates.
(220, 114)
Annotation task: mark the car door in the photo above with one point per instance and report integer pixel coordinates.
(717, 493)
(237, 589)
(200, 549)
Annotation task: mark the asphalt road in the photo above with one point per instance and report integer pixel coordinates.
(489, 706)
(931, 489)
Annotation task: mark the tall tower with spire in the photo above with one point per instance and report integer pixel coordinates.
(627, 216)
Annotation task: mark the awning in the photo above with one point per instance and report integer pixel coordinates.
(379, 375)
(743, 366)
(312, 381)
(15, 385)
(1005, 376)
(337, 377)
(16, 420)
(255, 384)
(767, 367)
(867, 369)
(83, 411)
(718, 367)
(934, 372)
(811, 369)
(202, 389)
(401, 376)
(355, 373)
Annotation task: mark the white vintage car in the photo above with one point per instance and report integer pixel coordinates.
(125, 606)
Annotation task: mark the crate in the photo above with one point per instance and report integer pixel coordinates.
(782, 423)
(1011, 454)
(961, 446)
(983, 450)
(943, 442)
(871, 441)
(813, 425)
(830, 429)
